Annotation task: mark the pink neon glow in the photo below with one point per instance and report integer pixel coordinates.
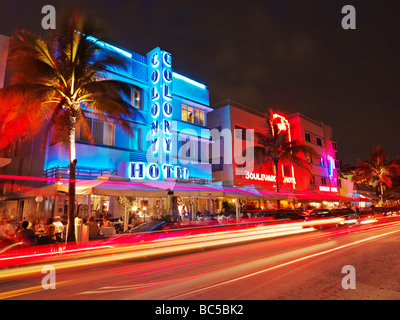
(326, 188)
(267, 177)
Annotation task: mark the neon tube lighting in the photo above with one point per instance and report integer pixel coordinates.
(110, 47)
(188, 80)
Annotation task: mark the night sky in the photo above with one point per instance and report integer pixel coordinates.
(292, 56)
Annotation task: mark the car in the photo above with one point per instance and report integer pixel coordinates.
(346, 213)
(318, 214)
(281, 214)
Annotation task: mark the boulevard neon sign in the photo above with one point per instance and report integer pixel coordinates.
(267, 177)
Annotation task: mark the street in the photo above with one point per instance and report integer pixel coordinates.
(301, 266)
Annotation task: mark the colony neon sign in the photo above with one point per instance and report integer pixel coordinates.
(161, 76)
(161, 101)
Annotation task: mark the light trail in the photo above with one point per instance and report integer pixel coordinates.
(122, 250)
(155, 248)
(283, 265)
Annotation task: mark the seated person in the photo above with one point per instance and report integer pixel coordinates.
(26, 235)
(106, 222)
(49, 235)
(93, 228)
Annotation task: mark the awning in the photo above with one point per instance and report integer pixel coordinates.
(358, 197)
(274, 196)
(182, 189)
(106, 186)
(318, 196)
(4, 161)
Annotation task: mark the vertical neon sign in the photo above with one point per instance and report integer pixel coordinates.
(161, 104)
(283, 125)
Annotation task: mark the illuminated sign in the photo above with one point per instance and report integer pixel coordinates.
(326, 188)
(154, 171)
(330, 166)
(267, 177)
(160, 127)
(161, 105)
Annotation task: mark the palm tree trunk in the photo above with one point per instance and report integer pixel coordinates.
(380, 183)
(71, 183)
(278, 202)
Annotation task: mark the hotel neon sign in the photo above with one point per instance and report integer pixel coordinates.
(154, 171)
(159, 167)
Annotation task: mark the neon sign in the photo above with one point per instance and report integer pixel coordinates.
(161, 106)
(326, 188)
(330, 166)
(160, 129)
(267, 177)
(153, 171)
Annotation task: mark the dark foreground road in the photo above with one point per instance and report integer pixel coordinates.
(307, 266)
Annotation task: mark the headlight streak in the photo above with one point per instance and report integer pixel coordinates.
(158, 248)
(127, 250)
(180, 296)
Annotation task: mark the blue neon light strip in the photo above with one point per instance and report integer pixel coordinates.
(110, 47)
(188, 80)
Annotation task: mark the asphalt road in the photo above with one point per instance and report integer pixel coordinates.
(306, 266)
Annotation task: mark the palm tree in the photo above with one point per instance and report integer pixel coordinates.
(344, 169)
(377, 169)
(55, 81)
(277, 147)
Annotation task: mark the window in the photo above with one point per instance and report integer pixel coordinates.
(334, 145)
(187, 113)
(136, 98)
(308, 137)
(193, 115)
(319, 142)
(321, 161)
(199, 117)
(337, 164)
(218, 166)
(187, 148)
(102, 132)
(339, 183)
(81, 135)
(323, 181)
(286, 171)
(241, 133)
(137, 139)
(97, 131)
(309, 158)
(312, 180)
(108, 134)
